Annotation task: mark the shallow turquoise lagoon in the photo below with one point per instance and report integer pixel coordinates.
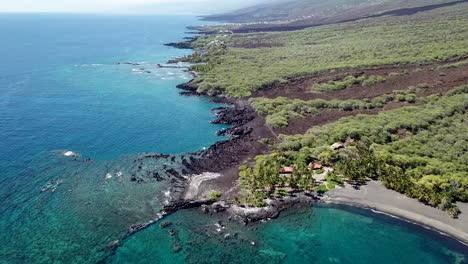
(319, 234)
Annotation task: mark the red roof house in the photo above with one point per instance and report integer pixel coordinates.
(315, 166)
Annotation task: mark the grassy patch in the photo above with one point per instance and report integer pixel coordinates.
(334, 179)
(321, 189)
(452, 65)
(266, 141)
(319, 171)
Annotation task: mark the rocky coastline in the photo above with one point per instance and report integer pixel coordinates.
(224, 158)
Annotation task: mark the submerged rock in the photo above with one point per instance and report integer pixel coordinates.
(176, 248)
(165, 224)
(172, 232)
(113, 244)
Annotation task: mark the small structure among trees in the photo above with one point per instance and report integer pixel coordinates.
(270, 175)
(337, 146)
(315, 166)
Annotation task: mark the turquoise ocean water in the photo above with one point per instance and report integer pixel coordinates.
(320, 234)
(61, 89)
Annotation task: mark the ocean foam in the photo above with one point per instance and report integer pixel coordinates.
(69, 154)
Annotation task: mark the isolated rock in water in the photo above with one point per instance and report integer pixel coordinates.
(113, 244)
(176, 248)
(172, 232)
(165, 224)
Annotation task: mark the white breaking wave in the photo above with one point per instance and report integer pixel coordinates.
(69, 153)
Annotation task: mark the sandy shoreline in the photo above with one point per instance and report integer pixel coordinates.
(375, 196)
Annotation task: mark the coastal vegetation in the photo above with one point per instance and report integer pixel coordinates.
(215, 195)
(239, 64)
(347, 82)
(419, 151)
(452, 65)
(278, 111)
(266, 178)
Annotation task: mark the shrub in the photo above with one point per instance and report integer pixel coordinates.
(278, 120)
(453, 211)
(347, 82)
(215, 195)
(321, 189)
(410, 98)
(372, 80)
(281, 192)
(400, 97)
(334, 179)
(392, 74)
(319, 171)
(266, 141)
(423, 85)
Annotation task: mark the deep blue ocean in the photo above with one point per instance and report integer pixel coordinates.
(60, 87)
(65, 85)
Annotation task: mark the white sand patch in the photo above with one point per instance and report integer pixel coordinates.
(246, 210)
(195, 183)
